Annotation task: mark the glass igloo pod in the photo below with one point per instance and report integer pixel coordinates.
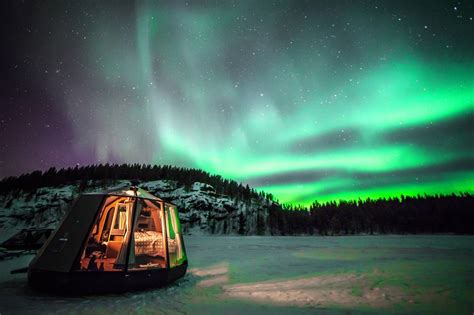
(112, 242)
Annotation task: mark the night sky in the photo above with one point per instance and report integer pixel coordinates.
(303, 99)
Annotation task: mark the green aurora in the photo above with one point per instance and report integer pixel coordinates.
(305, 100)
(293, 115)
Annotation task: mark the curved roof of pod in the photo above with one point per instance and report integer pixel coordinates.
(131, 191)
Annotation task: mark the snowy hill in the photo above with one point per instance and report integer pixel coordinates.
(202, 210)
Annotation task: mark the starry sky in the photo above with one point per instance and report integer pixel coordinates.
(306, 100)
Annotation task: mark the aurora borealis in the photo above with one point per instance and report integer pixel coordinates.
(302, 99)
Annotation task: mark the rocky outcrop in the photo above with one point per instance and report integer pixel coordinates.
(202, 210)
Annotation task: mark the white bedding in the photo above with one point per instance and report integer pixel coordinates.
(151, 243)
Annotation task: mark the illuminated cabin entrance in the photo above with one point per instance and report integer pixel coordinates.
(109, 242)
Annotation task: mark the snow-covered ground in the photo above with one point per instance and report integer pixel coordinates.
(282, 275)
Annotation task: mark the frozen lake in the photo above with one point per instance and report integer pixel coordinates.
(281, 275)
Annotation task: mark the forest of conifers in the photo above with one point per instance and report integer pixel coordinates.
(420, 214)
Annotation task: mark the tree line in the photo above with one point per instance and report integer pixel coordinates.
(420, 214)
(109, 173)
(405, 215)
